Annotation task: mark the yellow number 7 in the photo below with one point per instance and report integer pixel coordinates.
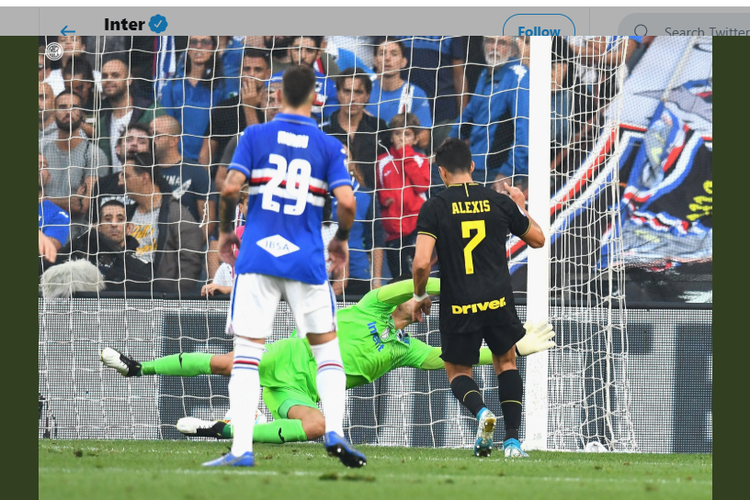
(466, 227)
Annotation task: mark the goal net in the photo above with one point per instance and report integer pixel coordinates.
(475, 88)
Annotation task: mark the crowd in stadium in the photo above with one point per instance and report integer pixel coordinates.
(135, 134)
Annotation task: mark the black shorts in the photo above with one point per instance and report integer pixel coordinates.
(463, 348)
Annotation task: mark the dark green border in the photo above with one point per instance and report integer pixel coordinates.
(19, 336)
(731, 111)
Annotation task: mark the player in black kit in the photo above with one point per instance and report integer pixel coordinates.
(468, 224)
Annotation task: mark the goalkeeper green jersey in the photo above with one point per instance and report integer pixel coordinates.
(370, 344)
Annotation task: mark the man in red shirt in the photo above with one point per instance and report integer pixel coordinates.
(403, 177)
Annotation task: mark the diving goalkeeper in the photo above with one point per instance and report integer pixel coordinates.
(372, 344)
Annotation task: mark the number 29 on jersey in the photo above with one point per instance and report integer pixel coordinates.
(296, 179)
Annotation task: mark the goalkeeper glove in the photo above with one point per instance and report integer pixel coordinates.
(538, 338)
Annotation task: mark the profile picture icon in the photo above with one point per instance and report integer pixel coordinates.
(54, 51)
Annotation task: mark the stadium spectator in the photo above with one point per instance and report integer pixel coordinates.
(573, 113)
(436, 65)
(572, 106)
(496, 119)
(306, 50)
(74, 161)
(47, 124)
(402, 181)
(111, 247)
(120, 108)
(78, 77)
(365, 267)
(190, 97)
(54, 222)
(344, 52)
(280, 57)
(230, 51)
(190, 183)
(270, 99)
(391, 94)
(135, 139)
(45, 65)
(312, 51)
(169, 238)
(351, 125)
(73, 46)
(233, 115)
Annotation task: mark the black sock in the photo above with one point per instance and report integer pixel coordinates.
(510, 392)
(467, 393)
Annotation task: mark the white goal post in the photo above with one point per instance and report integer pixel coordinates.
(537, 301)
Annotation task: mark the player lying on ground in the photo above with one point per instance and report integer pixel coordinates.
(372, 344)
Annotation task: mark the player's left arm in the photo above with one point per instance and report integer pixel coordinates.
(522, 224)
(340, 185)
(395, 294)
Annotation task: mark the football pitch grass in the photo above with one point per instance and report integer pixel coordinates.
(113, 470)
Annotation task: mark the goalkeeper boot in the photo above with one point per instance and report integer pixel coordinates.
(485, 431)
(247, 459)
(191, 426)
(128, 367)
(338, 446)
(513, 449)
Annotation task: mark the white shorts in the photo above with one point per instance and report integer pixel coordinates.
(255, 298)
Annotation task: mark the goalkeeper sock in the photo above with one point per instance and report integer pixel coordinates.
(331, 383)
(244, 393)
(279, 432)
(510, 392)
(184, 364)
(467, 392)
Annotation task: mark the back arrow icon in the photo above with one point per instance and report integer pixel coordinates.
(65, 31)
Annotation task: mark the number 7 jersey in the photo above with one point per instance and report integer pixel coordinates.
(470, 224)
(290, 165)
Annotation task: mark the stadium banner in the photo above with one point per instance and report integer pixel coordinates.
(662, 150)
(666, 156)
(670, 378)
(665, 160)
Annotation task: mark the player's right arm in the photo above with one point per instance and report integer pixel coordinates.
(48, 247)
(230, 197)
(427, 231)
(237, 173)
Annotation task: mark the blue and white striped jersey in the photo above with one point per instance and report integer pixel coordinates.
(291, 165)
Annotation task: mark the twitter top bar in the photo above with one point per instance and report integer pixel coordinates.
(551, 21)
